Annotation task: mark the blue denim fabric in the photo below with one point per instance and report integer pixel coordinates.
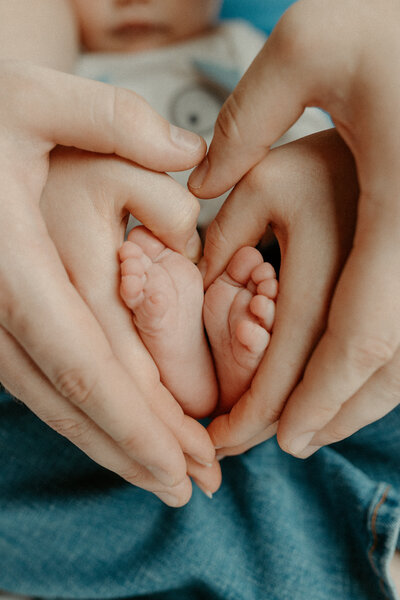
(278, 529)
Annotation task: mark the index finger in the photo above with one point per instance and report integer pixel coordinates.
(73, 111)
(293, 71)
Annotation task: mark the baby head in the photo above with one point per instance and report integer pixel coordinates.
(134, 25)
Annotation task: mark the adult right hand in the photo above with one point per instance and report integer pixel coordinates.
(343, 57)
(46, 328)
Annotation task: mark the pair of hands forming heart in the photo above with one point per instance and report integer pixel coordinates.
(77, 376)
(85, 374)
(85, 206)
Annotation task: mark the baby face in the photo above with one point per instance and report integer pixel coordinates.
(131, 25)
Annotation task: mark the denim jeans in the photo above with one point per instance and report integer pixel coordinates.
(279, 528)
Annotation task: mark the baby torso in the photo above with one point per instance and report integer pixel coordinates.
(187, 84)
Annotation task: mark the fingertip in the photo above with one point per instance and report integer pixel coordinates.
(176, 498)
(171, 476)
(203, 267)
(218, 431)
(194, 248)
(208, 479)
(298, 445)
(188, 141)
(199, 175)
(212, 485)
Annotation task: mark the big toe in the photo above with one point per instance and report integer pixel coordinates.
(242, 264)
(253, 338)
(150, 245)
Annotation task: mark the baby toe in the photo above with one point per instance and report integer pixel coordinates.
(243, 263)
(131, 290)
(268, 288)
(253, 337)
(132, 266)
(263, 271)
(264, 309)
(149, 244)
(130, 250)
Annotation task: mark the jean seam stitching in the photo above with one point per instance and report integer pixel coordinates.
(374, 544)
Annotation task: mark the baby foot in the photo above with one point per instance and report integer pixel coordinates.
(164, 290)
(239, 311)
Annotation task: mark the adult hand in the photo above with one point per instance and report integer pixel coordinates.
(307, 191)
(86, 203)
(46, 326)
(339, 56)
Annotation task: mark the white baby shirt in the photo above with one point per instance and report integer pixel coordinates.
(187, 83)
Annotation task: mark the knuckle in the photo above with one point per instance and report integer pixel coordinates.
(75, 430)
(255, 180)
(269, 414)
(216, 240)
(227, 124)
(189, 210)
(129, 444)
(182, 493)
(370, 353)
(335, 433)
(133, 475)
(178, 476)
(77, 385)
(13, 314)
(107, 109)
(266, 412)
(325, 409)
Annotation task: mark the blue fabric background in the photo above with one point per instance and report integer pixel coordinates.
(262, 13)
(279, 528)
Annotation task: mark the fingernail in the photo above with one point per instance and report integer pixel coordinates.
(205, 491)
(193, 248)
(163, 476)
(169, 499)
(300, 443)
(199, 174)
(203, 267)
(185, 140)
(202, 462)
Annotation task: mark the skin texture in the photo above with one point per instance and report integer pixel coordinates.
(132, 25)
(73, 358)
(338, 56)
(51, 42)
(165, 292)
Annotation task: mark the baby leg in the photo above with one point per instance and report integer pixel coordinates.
(164, 290)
